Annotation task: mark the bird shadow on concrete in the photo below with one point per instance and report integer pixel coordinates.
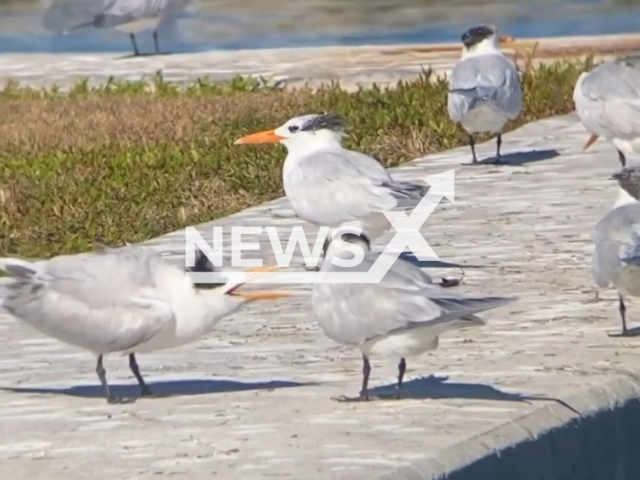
(434, 388)
(169, 388)
(148, 54)
(518, 159)
(411, 258)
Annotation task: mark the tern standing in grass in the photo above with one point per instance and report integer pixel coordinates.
(484, 87)
(125, 301)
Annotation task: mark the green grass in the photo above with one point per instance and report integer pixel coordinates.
(132, 160)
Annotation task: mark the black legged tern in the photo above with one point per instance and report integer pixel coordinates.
(126, 300)
(328, 185)
(401, 316)
(484, 87)
(616, 259)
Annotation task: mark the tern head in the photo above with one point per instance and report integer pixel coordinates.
(204, 265)
(483, 39)
(346, 245)
(305, 131)
(629, 180)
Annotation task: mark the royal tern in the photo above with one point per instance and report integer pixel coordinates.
(328, 185)
(128, 16)
(607, 100)
(616, 259)
(401, 316)
(126, 300)
(484, 86)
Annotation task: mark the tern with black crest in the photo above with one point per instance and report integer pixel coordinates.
(401, 316)
(485, 89)
(127, 300)
(328, 185)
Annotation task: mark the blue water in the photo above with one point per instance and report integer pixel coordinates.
(177, 36)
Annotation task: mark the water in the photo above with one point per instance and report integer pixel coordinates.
(236, 24)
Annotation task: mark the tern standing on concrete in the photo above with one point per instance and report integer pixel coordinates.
(129, 16)
(616, 259)
(484, 87)
(399, 317)
(607, 100)
(126, 301)
(328, 185)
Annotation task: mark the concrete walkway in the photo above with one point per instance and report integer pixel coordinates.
(353, 66)
(252, 400)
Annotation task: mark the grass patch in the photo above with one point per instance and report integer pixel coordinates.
(126, 162)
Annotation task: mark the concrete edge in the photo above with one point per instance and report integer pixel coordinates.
(594, 400)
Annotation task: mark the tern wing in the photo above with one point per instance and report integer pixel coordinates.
(617, 243)
(613, 92)
(484, 79)
(331, 187)
(104, 301)
(404, 299)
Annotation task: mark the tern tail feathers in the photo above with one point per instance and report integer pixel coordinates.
(14, 267)
(82, 25)
(631, 255)
(478, 95)
(404, 191)
(462, 310)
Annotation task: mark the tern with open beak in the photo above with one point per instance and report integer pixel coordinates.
(328, 185)
(484, 87)
(401, 316)
(127, 300)
(607, 100)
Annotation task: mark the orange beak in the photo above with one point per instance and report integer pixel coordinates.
(591, 141)
(268, 136)
(263, 295)
(506, 39)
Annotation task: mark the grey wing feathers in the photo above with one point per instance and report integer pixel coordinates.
(101, 301)
(483, 79)
(611, 100)
(465, 308)
(406, 193)
(617, 241)
(136, 9)
(405, 298)
(345, 185)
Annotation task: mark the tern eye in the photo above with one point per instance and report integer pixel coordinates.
(294, 128)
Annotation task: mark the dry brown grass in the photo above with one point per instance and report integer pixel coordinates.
(113, 167)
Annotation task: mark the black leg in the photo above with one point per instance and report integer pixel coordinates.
(472, 142)
(155, 40)
(622, 158)
(135, 46)
(133, 365)
(499, 144)
(364, 391)
(102, 375)
(623, 316)
(366, 371)
(402, 367)
(323, 255)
